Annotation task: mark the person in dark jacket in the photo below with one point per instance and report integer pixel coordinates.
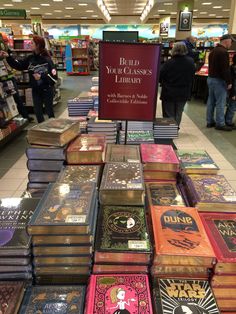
(190, 44)
(231, 107)
(42, 74)
(176, 77)
(219, 82)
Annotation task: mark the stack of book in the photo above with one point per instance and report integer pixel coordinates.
(122, 240)
(86, 149)
(15, 244)
(53, 299)
(122, 153)
(63, 230)
(164, 194)
(210, 192)
(11, 295)
(221, 230)
(103, 127)
(80, 105)
(117, 294)
(184, 296)
(136, 137)
(197, 162)
(165, 128)
(46, 155)
(122, 184)
(80, 174)
(137, 125)
(159, 162)
(182, 248)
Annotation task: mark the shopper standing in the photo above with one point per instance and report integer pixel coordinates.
(231, 106)
(176, 77)
(190, 44)
(219, 82)
(42, 73)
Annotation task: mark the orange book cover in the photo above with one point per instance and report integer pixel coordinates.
(178, 231)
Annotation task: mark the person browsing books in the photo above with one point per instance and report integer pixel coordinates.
(42, 73)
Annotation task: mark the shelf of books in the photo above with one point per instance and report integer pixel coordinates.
(58, 54)
(77, 57)
(113, 228)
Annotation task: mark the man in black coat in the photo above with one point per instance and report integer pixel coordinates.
(176, 77)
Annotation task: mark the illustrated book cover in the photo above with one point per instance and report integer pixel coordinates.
(11, 294)
(221, 230)
(80, 174)
(176, 296)
(211, 192)
(57, 132)
(87, 148)
(197, 161)
(159, 157)
(180, 237)
(122, 184)
(122, 153)
(121, 293)
(15, 214)
(163, 194)
(122, 229)
(64, 208)
(53, 299)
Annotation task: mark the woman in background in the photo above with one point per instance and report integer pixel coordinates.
(42, 73)
(176, 77)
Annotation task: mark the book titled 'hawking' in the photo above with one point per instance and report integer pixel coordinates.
(185, 297)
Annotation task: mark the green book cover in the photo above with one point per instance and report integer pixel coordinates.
(196, 159)
(122, 228)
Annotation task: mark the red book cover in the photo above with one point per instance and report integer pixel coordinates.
(113, 294)
(160, 154)
(221, 230)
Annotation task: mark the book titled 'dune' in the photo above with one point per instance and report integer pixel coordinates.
(185, 297)
(114, 294)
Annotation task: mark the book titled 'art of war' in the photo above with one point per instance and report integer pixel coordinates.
(180, 238)
(176, 296)
(221, 230)
(116, 294)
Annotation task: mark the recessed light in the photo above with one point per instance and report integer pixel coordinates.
(168, 3)
(35, 8)
(194, 17)
(226, 10)
(89, 11)
(212, 14)
(83, 17)
(161, 10)
(219, 16)
(57, 0)
(156, 15)
(69, 8)
(94, 15)
(48, 13)
(8, 5)
(203, 12)
(206, 3)
(57, 10)
(217, 7)
(82, 4)
(173, 12)
(195, 10)
(67, 15)
(45, 4)
(16, 0)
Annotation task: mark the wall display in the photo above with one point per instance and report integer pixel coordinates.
(185, 21)
(128, 80)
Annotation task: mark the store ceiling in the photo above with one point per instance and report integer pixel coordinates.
(88, 9)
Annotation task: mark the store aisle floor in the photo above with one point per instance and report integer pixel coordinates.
(193, 135)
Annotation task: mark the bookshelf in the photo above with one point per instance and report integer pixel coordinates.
(58, 55)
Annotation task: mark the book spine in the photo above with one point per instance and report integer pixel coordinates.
(89, 303)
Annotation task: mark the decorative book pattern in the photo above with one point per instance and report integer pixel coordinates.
(54, 126)
(158, 153)
(79, 174)
(122, 153)
(11, 293)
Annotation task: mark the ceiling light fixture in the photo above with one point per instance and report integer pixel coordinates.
(16, 0)
(45, 4)
(168, 3)
(147, 9)
(35, 8)
(103, 8)
(217, 7)
(8, 5)
(69, 8)
(83, 4)
(206, 3)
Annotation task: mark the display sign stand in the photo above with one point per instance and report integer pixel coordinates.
(126, 131)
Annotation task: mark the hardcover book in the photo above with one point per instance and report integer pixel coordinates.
(224, 281)
(46, 152)
(211, 192)
(57, 299)
(122, 153)
(15, 214)
(65, 270)
(197, 162)
(122, 293)
(197, 272)
(119, 269)
(62, 260)
(154, 175)
(61, 251)
(87, 148)
(136, 137)
(159, 157)
(122, 229)
(55, 132)
(64, 209)
(185, 296)
(43, 176)
(180, 237)
(11, 294)
(122, 184)
(79, 239)
(221, 230)
(44, 165)
(164, 194)
(80, 174)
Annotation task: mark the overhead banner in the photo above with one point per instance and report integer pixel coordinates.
(164, 26)
(128, 80)
(12, 13)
